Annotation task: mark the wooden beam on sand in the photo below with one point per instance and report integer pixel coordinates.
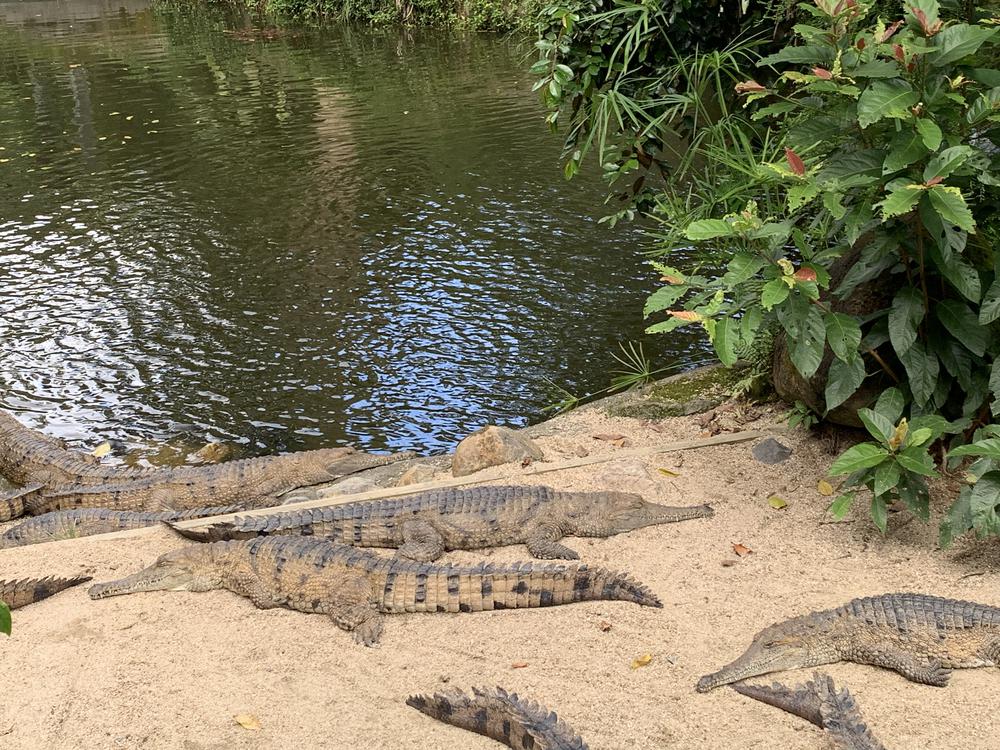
(329, 496)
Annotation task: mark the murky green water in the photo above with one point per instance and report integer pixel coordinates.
(329, 236)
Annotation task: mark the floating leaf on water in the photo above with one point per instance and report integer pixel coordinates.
(102, 450)
(248, 721)
(824, 488)
(777, 502)
(641, 661)
(667, 472)
(741, 549)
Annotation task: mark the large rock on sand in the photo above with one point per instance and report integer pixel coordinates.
(492, 446)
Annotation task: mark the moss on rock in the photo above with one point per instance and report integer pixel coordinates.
(680, 395)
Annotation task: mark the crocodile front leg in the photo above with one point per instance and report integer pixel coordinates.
(421, 541)
(543, 542)
(905, 663)
(352, 607)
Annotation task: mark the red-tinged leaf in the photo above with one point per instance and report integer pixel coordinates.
(749, 87)
(805, 274)
(672, 280)
(933, 181)
(861, 43)
(839, 7)
(897, 50)
(891, 30)
(795, 163)
(685, 315)
(823, 73)
(921, 16)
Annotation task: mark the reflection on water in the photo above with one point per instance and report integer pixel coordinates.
(326, 237)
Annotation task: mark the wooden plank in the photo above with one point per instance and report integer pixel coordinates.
(330, 497)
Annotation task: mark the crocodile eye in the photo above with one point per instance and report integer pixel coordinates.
(770, 644)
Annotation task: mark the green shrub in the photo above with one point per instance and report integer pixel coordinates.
(890, 132)
(4, 619)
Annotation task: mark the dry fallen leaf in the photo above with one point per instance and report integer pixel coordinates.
(824, 488)
(668, 472)
(777, 502)
(526, 462)
(741, 549)
(605, 626)
(248, 721)
(519, 665)
(641, 661)
(102, 450)
(610, 437)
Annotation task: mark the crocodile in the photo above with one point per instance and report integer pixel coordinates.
(69, 524)
(26, 591)
(921, 637)
(423, 526)
(505, 717)
(819, 702)
(355, 587)
(252, 482)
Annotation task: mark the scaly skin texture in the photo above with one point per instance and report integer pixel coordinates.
(921, 637)
(505, 717)
(355, 587)
(422, 527)
(70, 524)
(819, 702)
(252, 482)
(31, 458)
(28, 591)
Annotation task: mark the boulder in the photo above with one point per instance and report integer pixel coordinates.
(417, 474)
(492, 446)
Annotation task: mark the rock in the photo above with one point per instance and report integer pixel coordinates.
(417, 474)
(681, 395)
(626, 476)
(492, 446)
(362, 482)
(213, 453)
(770, 451)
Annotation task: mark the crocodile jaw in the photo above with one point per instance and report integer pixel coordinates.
(190, 569)
(759, 660)
(652, 514)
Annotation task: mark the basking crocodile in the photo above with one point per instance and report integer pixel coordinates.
(355, 587)
(30, 590)
(819, 702)
(422, 527)
(921, 637)
(69, 524)
(505, 717)
(251, 482)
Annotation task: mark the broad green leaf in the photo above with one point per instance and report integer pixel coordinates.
(806, 350)
(930, 133)
(990, 448)
(963, 324)
(774, 293)
(983, 500)
(913, 491)
(958, 519)
(994, 386)
(878, 426)
(951, 207)
(800, 195)
(886, 477)
(663, 298)
(916, 460)
(958, 41)
(708, 229)
(890, 404)
(668, 325)
(843, 381)
(874, 69)
(960, 274)
(725, 340)
(807, 53)
(930, 8)
(921, 436)
(885, 98)
(904, 316)
(923, 369)
(839, 507)
(742, 267)
(906, 147)
(944, 164)
(861, 456)
(4, 619)
(843, 334)
(947, 239)
(990, 309)
(901, 200)
(880, 513)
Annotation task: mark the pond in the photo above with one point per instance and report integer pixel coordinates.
(294, 238)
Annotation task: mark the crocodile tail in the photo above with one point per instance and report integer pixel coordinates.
(502, 716)
(12, 503)
(802, 701)
(30, 590)
(842, 717)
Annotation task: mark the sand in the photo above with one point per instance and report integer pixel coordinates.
(171, 670)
